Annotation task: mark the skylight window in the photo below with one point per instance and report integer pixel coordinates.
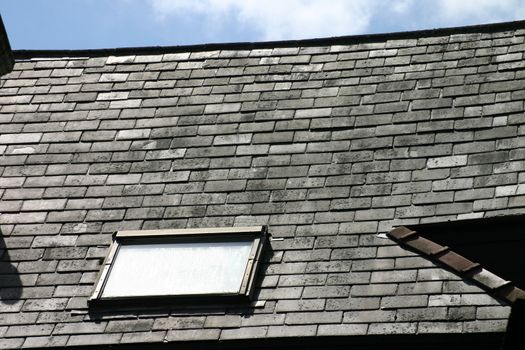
(218, 262)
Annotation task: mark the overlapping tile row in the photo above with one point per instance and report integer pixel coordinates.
(331, 146)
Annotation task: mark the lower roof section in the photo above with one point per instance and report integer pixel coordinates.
(479, 341)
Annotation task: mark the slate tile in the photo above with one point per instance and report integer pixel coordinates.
(45, 341)
(298, 280)
(45, 304)
(480, 326)
(462, 313)
(225, 186)
(392, 328)
(280, 293)
(291, 331)
(314, 317)
(354, 304)
(440, 327)
(20, 138)
(133, 326)
(186, 335)
(223, 321)
(143, 337)
(342, 329)
(392, 302)
(187, 322)
(490, 312)
(92, 339)
(12, 343)
(58, 279)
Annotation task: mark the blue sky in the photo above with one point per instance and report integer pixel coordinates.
(85, 24)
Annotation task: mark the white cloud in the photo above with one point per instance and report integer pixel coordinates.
(298, 19)
(480, 11)
(279, 19)
(401, 6)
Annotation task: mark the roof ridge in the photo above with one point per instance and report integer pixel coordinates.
(347, 39)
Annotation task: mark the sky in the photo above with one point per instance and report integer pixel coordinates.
(93, 24)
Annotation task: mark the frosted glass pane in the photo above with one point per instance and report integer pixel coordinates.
(178, 269)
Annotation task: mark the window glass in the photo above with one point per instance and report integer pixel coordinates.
(165, 269)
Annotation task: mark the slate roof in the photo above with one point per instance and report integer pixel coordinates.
(331, 143)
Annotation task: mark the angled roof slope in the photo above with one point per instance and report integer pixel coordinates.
(6, 55)
(485, 251)
(329, 143)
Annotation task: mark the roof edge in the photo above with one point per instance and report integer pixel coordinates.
(462, 266)
(337, 40)
(6, 54)
(435, 341)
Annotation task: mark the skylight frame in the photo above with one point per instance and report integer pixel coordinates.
(256, 234)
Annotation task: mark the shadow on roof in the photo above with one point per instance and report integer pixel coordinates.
(10, 283)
